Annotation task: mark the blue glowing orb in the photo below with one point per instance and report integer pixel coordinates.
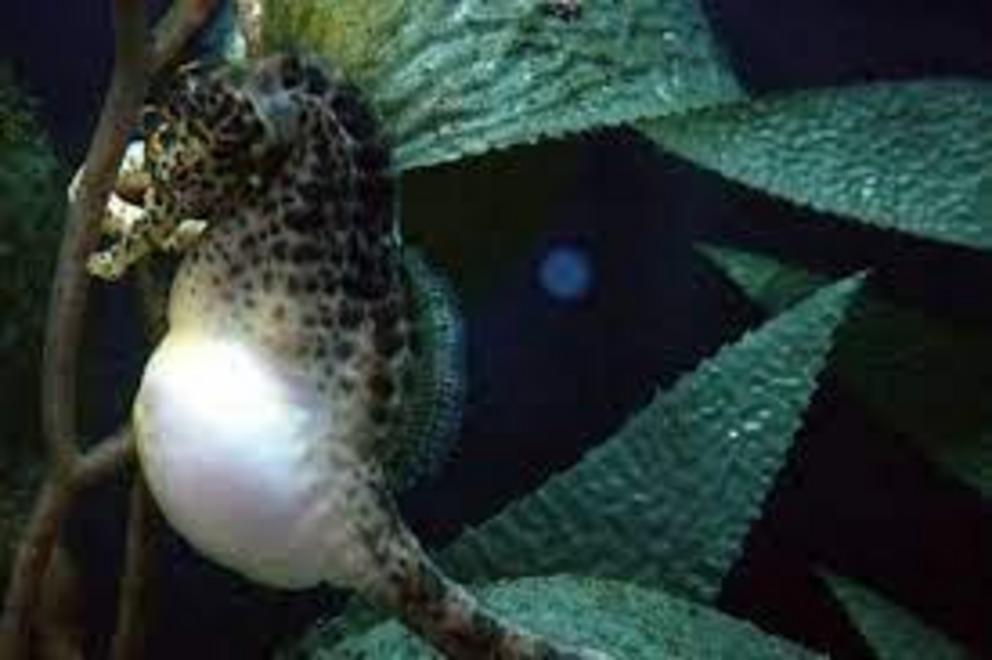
(566, 273)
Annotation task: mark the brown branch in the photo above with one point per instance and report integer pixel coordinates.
(92, 189)
(59, 623)
(133, 594)
(89, 193)
(30, 564)
(176, 28)
(105, 458)
(41, 534)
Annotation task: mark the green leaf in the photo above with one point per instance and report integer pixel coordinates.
(668, 500)
(892, 632)
(453, 79)
(927, 378)
(915, 157)
(628, 622)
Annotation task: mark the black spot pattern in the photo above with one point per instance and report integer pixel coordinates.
(301, 260)
(300, 255)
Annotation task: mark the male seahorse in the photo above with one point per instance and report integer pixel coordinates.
(269, 418)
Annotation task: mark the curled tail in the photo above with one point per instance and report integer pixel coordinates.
(399, 577)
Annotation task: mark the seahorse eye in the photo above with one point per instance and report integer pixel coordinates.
(151, 119)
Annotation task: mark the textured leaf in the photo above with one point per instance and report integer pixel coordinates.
(669, 499)
(929, 379)
(628, 622)
(914, 157)
(459, 78)
(892, 632)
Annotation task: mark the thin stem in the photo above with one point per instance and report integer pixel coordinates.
(176, 28)
(134, 583)
(41, 535)
(92, 188)
(94, 183)
(65, 316)
(106, 457)
(88, 200)
(30, 564)
(58, 625)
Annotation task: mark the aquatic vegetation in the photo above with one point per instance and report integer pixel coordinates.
(31, 184)
(903, 364)
(31, 181)
(907, 156)
(643, 531)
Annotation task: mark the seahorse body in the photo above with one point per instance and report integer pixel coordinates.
(269, 418)
(291, 307)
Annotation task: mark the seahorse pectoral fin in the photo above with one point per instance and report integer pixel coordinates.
(185, 235)
(400, 578)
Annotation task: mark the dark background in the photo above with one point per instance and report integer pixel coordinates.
(548, 378)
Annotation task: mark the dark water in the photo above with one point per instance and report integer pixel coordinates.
(551, 377)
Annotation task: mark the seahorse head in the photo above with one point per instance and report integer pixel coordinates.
(206, 142)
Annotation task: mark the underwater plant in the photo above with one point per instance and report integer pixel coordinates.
(30, 219)
(624, 552)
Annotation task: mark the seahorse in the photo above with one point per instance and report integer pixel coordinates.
(273, 420)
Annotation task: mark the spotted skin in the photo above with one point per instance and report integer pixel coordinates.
(301, 258)
(305, 260)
